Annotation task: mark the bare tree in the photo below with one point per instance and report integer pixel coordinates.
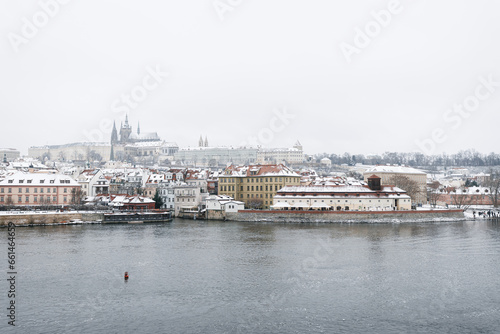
(411, 187)
(139, 190)
(255, 203)
(434, 194)
(76, 196)
(461, 198)
(9, 201)
(94, 156)
(493, 185)
(61, 156)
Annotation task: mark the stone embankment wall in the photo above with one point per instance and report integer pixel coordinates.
(49, 218)
(345, 216)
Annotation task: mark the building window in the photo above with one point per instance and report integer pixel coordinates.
(19, 199)
(1, 190)
(41, 190)
(35, 199)
(65, 199)
(20, 190)
(36, 190)
(27, 199)
(10, 190)
(65, 191)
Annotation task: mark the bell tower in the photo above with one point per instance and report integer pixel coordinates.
(125, 131)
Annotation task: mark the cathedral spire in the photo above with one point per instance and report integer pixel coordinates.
(206, 142)
(200, 142)
(138, 129)
(114, 135)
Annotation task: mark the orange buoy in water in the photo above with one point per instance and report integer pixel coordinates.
(126, 275)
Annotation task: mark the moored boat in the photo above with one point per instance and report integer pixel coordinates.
(137, 217)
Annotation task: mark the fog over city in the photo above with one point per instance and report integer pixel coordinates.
(339, 76)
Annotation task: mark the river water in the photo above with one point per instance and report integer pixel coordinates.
(228, 277)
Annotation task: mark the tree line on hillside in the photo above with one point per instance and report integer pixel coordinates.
(469, 158)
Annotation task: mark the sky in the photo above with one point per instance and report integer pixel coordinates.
(363, 76)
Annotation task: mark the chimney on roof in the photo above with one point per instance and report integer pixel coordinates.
(374, 182)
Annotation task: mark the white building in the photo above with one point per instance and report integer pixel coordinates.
(326, 162)
(9, 154)
(187, 198)
(93, 182)
(287, 156)
(155, 149)
(213, 156)
(218, 205)
(166, 191)
(342, 198)
(223, 203)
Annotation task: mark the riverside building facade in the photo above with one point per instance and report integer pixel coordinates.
(37, 189)
(256, 185)
(371, 197)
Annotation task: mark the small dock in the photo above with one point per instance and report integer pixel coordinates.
(136, 217)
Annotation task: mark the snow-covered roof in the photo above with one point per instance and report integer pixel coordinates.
(38, 179)
(146, 144)
(393, 169)
(124, 199)
(340, 189)
(145, 136)
(209, 148)
(71, 145)
(259, 170)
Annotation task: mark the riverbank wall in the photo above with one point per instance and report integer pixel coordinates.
(280, 216)
(49, 218)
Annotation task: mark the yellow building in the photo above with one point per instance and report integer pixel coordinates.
(256, 185)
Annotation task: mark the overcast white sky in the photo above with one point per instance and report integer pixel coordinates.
(227, 76)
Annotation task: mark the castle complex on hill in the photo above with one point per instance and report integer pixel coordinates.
(128, 137)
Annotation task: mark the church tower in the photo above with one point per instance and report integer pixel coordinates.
(138, 129)
(200, 142)
(206, 142)
(114, 135)
(298, 145)
(125, 131)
